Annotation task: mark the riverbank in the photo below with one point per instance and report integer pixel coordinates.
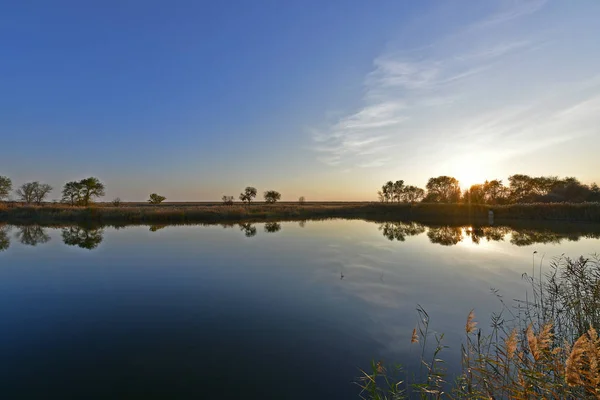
(211, 213)
(215, 213)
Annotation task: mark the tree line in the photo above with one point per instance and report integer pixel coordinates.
(521, 189)
(83, 193)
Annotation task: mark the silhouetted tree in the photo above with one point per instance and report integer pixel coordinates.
(227, 200)
(90, 188)
(271, 196)
(5, 187)
(248, 229)
(156, 198)
(116, 202)
(248, 194)
(71, 193)
(32, 235)
(443, 189)
(33, 192)
(272, 227)
(301, 200)
(412, 194)
(387, 192)
(397, 190)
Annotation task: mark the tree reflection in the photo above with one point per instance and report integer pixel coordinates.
(32, 235)
(248, 229)
(302, 224)
(272, 227)
(529, 237)
(445, 235)
(4, 239)
(82, 237)
(489, 233)
(399, 230)
(154, 228)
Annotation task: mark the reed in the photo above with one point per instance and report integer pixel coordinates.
(548, 348)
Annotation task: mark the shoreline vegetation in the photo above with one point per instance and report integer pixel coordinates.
(543, 346)
(183, 213)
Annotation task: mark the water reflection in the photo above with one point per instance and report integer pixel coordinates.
(4, 238)
(445, 235)
(521, 234)
(82, 237)
(272, 227)
(248, 229)
(400, 230)
(489, 233)
(32, 235)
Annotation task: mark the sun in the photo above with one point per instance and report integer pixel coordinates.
(468, 172)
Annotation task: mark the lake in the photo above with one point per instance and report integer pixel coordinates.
(278, 310)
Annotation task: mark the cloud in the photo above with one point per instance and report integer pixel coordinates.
(477, 91)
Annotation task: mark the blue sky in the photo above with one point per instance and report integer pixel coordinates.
(326, 99)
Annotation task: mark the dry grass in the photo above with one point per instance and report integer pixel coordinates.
(546, 354)
(215, 212)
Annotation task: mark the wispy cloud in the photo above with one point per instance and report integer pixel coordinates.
(476, 92)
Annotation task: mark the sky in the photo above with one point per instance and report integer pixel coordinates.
(323, 99)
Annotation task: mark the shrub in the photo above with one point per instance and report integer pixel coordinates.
(156, 198)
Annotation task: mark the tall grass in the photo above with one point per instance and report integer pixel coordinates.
(547, 346)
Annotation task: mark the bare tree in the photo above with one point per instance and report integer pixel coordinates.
(41, 192)
(116, 202)
(227, 200)
(33, 192)
(272, 196)
(301, 200)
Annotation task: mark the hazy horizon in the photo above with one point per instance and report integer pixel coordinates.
(197, 100)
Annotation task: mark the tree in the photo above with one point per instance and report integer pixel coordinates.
(397, 189)
(33, 192)
(387, 192)
(271, 196)
(116, 202)
(71, 193)
(248, 194)
(41, 192)
(156, 198)
(412, 194)
(227, 200)
(5, 187)
(443, 189)
(90, 187)
(475, 194)
(301, 200)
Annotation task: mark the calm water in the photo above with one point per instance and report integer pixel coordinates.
(287, 310)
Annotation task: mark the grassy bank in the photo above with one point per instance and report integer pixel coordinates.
(214, 213)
